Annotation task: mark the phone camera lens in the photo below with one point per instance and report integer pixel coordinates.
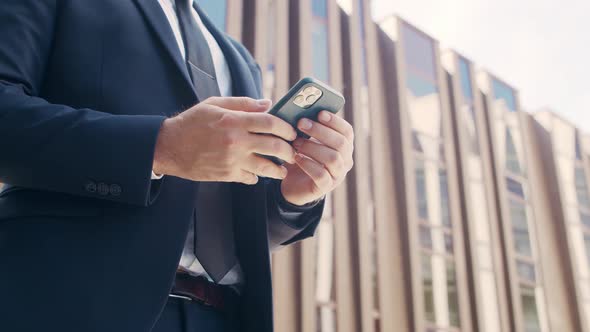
(311, 99)
(309, 90)
(299, 100)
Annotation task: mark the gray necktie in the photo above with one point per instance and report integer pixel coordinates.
(213, 224)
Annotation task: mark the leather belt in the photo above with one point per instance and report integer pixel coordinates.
(201, 290)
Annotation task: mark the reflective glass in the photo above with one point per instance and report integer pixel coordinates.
(452, 296)
(427, 288)
(465, 78)
(444, 198)
(421, 190)
(505, 93)
(518, 215)
(529, 309)
(515, 187)
(587, 246)
(581, 187)
(526, 271)
(319, 8)
(425, 237)
(216, 10)
(585, 219)
(320, 45)
(419, 53)
(512, 162)
(449, 244)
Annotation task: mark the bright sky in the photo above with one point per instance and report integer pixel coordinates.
(542, 47)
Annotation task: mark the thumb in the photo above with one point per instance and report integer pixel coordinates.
(243, 104)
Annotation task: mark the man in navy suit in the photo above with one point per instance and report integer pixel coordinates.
(135, 197)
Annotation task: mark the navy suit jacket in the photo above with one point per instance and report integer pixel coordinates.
(87, 241)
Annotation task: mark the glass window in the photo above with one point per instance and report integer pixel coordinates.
(587, 245)
(320, 49)
(526, 270)
(420, 87)
(515, 187)
(522, 242)
(326, 321)
(427, 288)
(512, 163)
(425, 237)
(216, 10)
(421, 190)
(505, 93)
(419, 53)
(581, 187)
(465, 77)
(452, 296)
(449, 244)
(444, 198)
(529, 309)
(520, 230)
(585, 218)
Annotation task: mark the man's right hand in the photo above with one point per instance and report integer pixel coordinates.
(219, 139)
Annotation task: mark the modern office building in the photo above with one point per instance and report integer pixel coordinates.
(463, 212)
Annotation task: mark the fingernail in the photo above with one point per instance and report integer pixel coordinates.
(297, 143)
(298, 157)
(325, 116)
(264, 102)
(305, 124)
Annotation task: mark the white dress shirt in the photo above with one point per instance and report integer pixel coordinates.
(188, 261)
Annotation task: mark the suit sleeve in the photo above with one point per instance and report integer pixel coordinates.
(287, 223)
(58, 148)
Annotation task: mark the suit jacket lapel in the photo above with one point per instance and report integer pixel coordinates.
(155, 16)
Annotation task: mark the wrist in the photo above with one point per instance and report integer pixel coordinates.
(162, 163)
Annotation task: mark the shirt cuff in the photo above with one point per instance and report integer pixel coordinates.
(157, 176)
(291, 213)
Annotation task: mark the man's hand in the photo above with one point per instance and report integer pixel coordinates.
(321, 163)
(219, 139)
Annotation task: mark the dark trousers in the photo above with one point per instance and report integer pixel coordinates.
(183, 315)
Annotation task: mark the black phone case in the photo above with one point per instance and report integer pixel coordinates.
(331, 101)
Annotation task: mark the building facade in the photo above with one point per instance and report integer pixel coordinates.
(463, 212)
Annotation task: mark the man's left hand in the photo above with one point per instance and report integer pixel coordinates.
(321, 162)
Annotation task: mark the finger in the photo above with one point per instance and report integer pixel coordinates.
(320, 175)
(263, 123)
(264, 167)
(331, 159)
(337, 123)
(244, 104)
(246, 177)
(326, 135)
(272, 146)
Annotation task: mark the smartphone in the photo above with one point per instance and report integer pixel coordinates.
(306, 99)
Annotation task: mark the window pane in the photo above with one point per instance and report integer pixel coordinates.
(587, 245)
(515, 187)
(421, 190)
(419, 53)
(522, 243)
(512, 162)
(320, 48)
(453, 299)
(526, 270)
(444, 198)
(529, 309)
(518, 215)
(504, 93)
(427, 288)
(425, 237)
(465, 78)
(581, 187)
(449, 244)
(585, 218)
(216, 11)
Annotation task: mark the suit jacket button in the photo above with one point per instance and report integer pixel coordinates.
(115, 190)
(103, 189)
(90, 187)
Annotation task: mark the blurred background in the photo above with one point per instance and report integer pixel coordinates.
(468, 208)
